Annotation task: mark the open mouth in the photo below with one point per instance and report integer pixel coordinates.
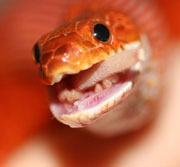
(79, 100)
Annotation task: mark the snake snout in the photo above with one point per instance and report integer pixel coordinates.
(55, 64)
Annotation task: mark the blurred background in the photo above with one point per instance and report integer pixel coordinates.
(30, 136)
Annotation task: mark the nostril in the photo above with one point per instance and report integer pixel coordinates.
(36, 53)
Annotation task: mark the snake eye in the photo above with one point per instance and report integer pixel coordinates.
(101, 33)
(36, 53)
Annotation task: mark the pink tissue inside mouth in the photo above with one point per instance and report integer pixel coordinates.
(89, 99)
(85, 103)
(98, 98)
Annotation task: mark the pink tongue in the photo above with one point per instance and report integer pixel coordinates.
(112, 65)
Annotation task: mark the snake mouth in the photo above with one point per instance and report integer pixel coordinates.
(79, 109)
(79, 100)
(79, 106)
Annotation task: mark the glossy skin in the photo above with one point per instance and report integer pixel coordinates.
(72, 47)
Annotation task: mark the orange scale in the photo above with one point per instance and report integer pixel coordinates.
(63, 50)
(53, 66)
(43, 40)
(46, 57)
(67, 39)
(49, 46)
(60, 31)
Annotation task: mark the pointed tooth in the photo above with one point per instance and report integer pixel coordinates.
(98, 88)
(62, 95)
(106, 83)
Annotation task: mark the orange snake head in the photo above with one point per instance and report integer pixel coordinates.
(91, 64)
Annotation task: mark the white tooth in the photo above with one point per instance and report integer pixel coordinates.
(69, 95)
(98, 88)
(62, 95)
(106, 83)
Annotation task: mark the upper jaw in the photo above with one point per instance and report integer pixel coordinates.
(128, 60)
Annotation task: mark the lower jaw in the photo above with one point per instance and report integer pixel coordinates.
(86, 111)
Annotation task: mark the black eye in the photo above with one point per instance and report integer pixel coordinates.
(101, 32)
(36, 53)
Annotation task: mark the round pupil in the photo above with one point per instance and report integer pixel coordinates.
(36, 53)
(101, 32)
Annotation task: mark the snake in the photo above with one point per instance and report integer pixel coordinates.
(100, 66)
